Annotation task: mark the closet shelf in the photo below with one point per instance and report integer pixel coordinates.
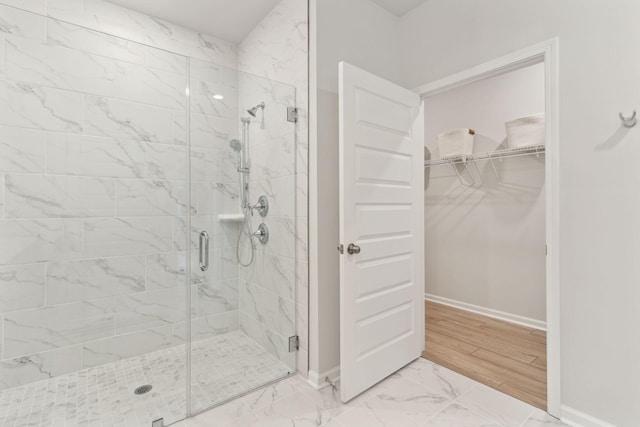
(492, 155)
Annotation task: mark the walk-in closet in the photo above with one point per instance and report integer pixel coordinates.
(485, 237)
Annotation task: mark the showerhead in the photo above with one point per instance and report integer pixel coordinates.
(235, 145)
(254, 110)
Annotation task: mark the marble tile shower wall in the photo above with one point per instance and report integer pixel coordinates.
(278, 49)
(268, 286)
(93, 166)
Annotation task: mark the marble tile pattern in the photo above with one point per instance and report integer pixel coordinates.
(273, 295)
(94, 186)
(434, 398)
(422, 394)
(111, 19)
(277, 48)
(267, 288)
(222, 368)
(93, 169)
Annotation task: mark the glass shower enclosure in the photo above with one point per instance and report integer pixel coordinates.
(142, 275)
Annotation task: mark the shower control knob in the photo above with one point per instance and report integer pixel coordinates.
(353, 249)
(262, 234)
(262, 206)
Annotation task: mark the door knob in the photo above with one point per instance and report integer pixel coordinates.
(353, 249)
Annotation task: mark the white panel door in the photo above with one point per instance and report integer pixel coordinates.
(382, 213)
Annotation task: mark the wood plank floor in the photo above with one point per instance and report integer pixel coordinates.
(502, 355)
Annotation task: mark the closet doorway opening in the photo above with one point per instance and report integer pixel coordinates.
(491, 230)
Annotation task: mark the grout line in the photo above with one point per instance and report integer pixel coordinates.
(2, 346)
(46, 284)
(528, 417)
(4, 57)
(456, 399)
(4, 196)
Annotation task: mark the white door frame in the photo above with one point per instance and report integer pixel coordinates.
(546, 52)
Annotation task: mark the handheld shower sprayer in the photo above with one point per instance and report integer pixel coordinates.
(235, 145)
(243, 165)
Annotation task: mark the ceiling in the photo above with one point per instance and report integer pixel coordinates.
(230, 20)
(399, 7)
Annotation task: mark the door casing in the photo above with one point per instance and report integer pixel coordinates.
(546, 52)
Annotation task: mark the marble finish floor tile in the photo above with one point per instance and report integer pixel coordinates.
(223, 367)
(495, 405)
(422, 394)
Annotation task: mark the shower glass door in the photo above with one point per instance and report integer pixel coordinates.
(118, 161)
(243, 293)
(94, 174)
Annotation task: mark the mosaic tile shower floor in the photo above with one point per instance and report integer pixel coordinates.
(223, 367)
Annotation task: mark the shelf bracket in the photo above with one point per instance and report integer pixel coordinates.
(479, 172)
(455, 169)
(466, 166)
(495, 170)
(538, 152)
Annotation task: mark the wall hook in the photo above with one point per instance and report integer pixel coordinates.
(629, 121)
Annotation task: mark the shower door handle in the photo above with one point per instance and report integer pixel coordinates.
(204, 251)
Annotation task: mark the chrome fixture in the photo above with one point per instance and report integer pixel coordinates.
(353, 249)
(332, 383)
(629, 122)
(294, 343)
(292, 114)
(243, 166)
(204, 251)
(143, 389)
(262, 206)
(262, 233)
(235, 145)
(252, 111)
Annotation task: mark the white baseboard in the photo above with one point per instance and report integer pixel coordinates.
(317, 380)
(489, 312)
(576, 418)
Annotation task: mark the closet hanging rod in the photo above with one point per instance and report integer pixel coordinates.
(491, 155)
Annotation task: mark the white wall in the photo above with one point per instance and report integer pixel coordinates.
(364, 34)
(599, 236)
(485, 243)
(357, 31)
(328, 224)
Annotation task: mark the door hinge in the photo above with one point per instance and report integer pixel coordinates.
(292, 114)
(341, 249)
(294, 343)
(546, 250)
